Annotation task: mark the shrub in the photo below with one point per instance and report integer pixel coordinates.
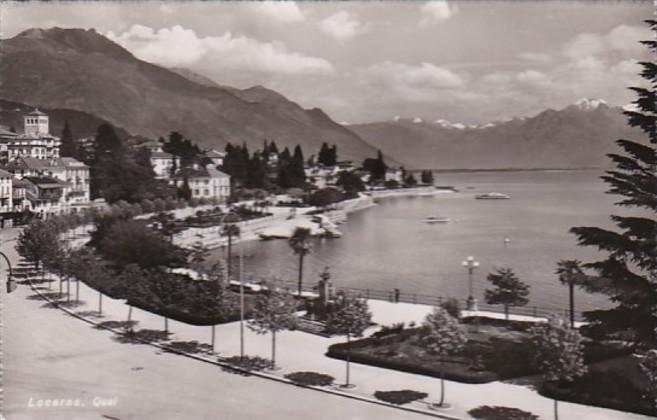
(404, 396)
(486, 412)
(310, 378)
(452, 306)
(250, 363)
(389, 330)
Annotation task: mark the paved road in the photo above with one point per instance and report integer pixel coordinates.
(48, 357)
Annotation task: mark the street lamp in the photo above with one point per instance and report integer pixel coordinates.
(471, 264)
(230, 225)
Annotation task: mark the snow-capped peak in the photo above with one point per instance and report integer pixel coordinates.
(396, 118)
(418, 120)
(588, 104)
(448, 124)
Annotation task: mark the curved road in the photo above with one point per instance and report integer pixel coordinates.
(52, 358)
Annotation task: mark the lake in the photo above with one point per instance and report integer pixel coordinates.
(389, 246)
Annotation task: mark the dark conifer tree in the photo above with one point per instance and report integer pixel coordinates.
(107, 142)
(333, 155)
(323, 158)
(285, 155)
(628, 275)
(68, 147)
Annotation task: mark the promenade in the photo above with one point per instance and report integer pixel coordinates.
(32, 328)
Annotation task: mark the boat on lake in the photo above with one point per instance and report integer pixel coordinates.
(435, 219)
(492, 196)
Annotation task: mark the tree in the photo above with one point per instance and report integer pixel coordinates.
(273, 311)
(184, 191)
(132, 242)
(325, 197)
(410, 181)
(427, 177)
(349, 316)
(558, 352)
(300, 244)
(323, 157)
(36, 241)
(230, 230)
(350, 182)
(649, 367)
(442, 335)
(107, 143)
(68, 147)
(570, 273)
(627, 274)
(509, 290)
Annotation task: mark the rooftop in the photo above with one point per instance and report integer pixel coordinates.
(36, 113)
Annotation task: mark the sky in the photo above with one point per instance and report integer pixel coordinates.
(464, 61)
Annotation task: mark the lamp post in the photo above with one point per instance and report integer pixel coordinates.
(470, 264)
(11, 283)
(236, 219)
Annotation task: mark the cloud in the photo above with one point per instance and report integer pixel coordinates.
(532, 77)
(177, 46)
(535, 57)
(623, 39)
(342, 25)
(280, 11)
(415, 83)
(437, 11)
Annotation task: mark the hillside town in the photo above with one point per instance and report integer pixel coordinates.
(38, 179)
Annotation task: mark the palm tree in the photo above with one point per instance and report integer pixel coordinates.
(570, 273)
(230, 230)
(300, 244)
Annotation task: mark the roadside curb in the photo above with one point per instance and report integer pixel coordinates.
(225, 365)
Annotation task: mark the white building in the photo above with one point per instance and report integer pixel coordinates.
(163, 163)
(35, 141)
(205, 183)
(71, 175)
(6, 192)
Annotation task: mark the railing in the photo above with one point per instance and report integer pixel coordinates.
(432, 300)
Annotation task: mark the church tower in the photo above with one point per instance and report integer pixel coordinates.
(36, 124)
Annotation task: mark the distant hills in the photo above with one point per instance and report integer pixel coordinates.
(82, 70)
(575, 137)
(81, 76)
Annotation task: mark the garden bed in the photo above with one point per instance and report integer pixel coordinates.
(496, 350)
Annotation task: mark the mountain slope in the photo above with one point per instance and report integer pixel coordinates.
(82, 70)
(80, 123)
(575, 137)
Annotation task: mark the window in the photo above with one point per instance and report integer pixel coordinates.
(206, 192)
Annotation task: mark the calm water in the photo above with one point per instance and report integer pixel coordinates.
(389, 246)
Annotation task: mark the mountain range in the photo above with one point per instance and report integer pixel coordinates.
(82, 70)
(578, 136)
(83, 77)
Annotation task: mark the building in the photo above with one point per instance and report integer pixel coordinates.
(6, 192)
(216, 157)
(45, 195)
(163, 163)
(35, 141)
(205, 182)
(72, 174)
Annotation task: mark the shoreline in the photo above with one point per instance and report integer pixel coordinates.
(279, 224)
